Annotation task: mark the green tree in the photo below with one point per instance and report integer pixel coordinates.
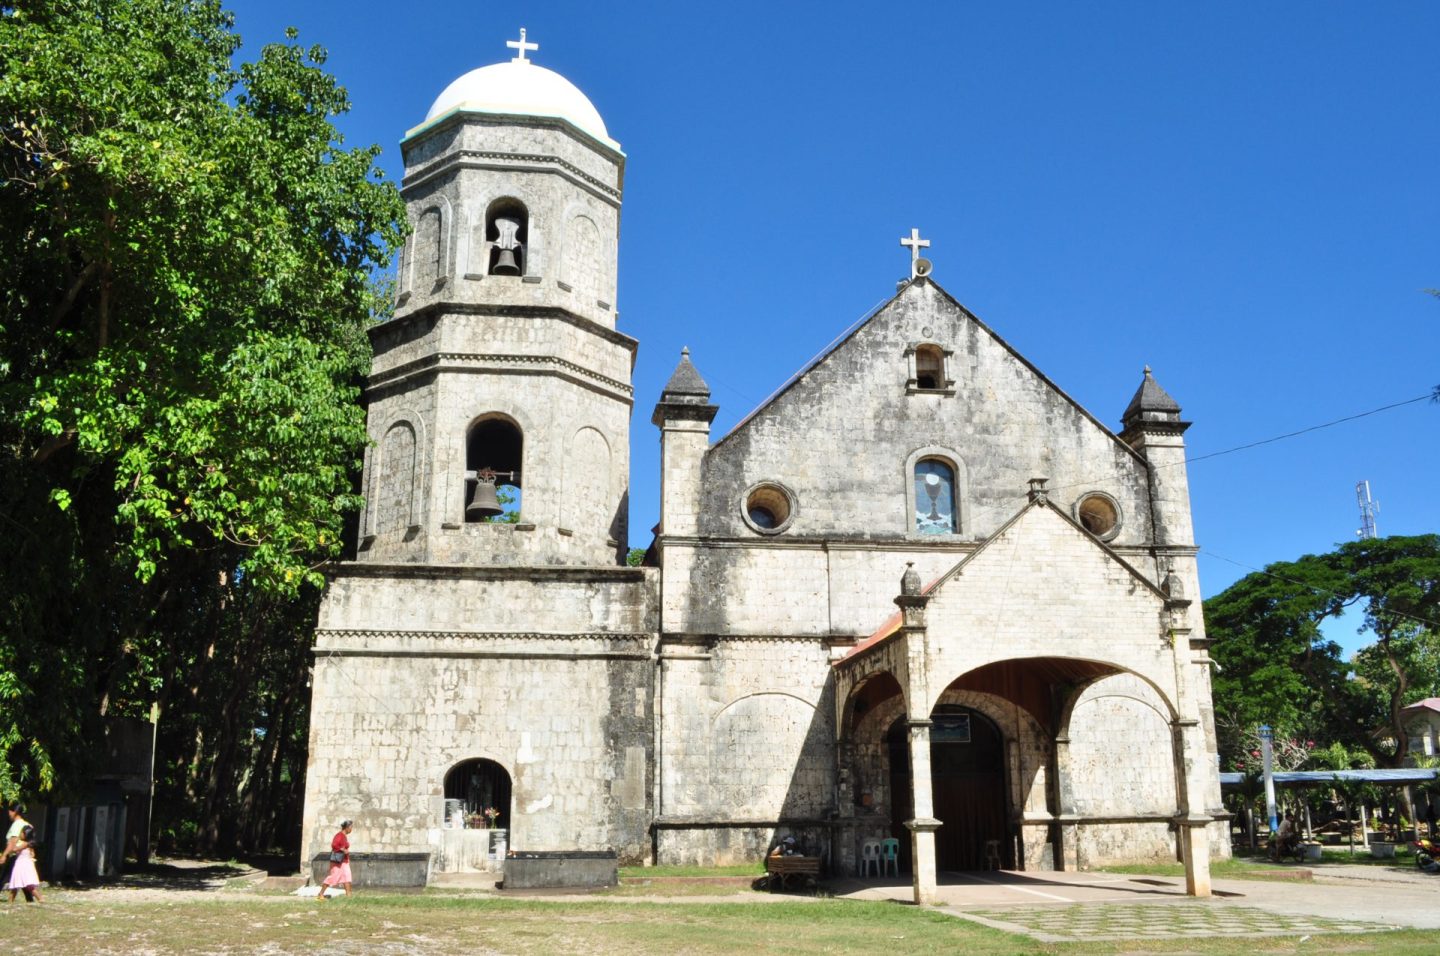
(190, 252)
(1278, 668)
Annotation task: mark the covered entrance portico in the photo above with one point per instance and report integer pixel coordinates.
(968, 735)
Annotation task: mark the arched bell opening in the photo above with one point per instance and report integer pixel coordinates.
(507, 237)
(474, 786)
(929, 367)
(493, 451)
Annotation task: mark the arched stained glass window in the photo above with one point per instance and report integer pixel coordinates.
(935, 497)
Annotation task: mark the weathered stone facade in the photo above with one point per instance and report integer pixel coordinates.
(1041, 700)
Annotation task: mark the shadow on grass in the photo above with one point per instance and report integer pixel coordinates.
(192, 877)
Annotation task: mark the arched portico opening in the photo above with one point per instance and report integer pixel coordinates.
(969, 787)
(482, 784)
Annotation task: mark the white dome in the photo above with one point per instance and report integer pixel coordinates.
(520, 88)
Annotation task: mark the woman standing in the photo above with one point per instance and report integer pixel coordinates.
(24, 876)
(339, 861)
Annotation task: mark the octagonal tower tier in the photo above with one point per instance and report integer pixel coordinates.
(503, 355)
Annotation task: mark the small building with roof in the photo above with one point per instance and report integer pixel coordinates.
(1422, 724)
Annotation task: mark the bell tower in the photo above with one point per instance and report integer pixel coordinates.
(500, 395)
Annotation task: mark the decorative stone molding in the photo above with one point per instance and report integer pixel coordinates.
(494, 358)
(473, 157)
(353, 634)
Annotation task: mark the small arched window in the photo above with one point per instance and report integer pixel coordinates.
(492, 468)
(507, 238)
(935, 497)
(929, 367)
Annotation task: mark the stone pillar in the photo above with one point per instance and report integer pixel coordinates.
(1195, 765)
(912, 602)
(1195, 848)
(1066, 832)
(922, 828)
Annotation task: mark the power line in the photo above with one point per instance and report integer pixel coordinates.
(1312, 428)
(1264, 441)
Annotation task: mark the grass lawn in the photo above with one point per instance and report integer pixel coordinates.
(116, 922)
(1235, 868)
(1259, 867)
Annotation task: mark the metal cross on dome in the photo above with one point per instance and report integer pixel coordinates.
(522, 46)
(916, 244)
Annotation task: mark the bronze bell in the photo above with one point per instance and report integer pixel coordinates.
(484, 503)
(507, 240)
(505, 264)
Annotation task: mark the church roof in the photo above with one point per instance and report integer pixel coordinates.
(1150, 397)
(519, 88)
(686, 380)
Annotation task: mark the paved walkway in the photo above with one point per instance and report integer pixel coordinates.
(1066, 907)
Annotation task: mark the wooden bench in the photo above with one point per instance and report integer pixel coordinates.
(783, 869)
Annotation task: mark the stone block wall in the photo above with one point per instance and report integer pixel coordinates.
(546, 671)
(379, 755)
(736, 845)
(1099, 845)
(746, 744)
(1121, 721)
(1045, 588)
(843, 436)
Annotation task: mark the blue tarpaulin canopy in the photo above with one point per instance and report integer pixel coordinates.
(1315, 778)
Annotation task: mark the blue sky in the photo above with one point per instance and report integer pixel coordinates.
(1243, 196)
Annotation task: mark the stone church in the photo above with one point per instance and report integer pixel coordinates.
(919, 593)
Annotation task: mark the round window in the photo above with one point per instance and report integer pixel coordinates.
(1099, 514)
(769, 507)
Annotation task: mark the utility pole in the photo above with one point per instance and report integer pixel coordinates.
(1368, 510)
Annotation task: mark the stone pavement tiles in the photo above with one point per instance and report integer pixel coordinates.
(1121, 921)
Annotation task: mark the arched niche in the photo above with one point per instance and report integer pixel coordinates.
(480, 784)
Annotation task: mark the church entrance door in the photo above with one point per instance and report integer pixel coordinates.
(967, 764)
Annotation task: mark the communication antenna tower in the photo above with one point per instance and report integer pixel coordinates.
(1368, 510)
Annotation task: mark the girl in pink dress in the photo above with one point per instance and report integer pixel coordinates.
(24, 876)
(339, 861)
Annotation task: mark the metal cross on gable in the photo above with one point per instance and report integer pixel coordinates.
(916, 244)
(522, 46)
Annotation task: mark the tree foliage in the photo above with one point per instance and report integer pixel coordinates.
(1278, 668)
(189, 252)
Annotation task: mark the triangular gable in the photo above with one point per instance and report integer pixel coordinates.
(879, 310)
(1048, 506)
(996, 541)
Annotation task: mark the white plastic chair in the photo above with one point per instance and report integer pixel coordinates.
(870, 857)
